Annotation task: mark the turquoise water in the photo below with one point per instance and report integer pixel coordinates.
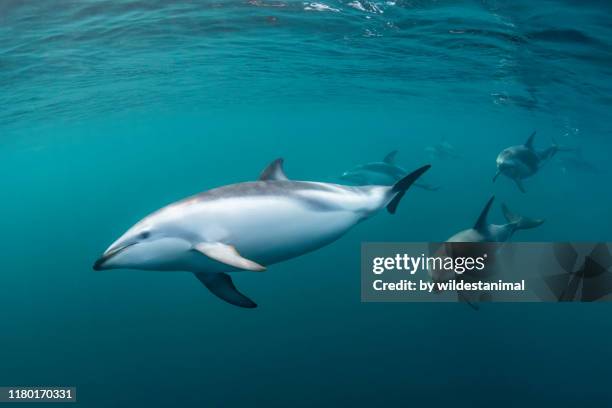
(111, 110)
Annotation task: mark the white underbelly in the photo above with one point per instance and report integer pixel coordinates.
(469, 235)
(271, 230)
(288, 237)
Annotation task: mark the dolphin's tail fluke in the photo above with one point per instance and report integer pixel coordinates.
(554, 149)
(520, 222)
(399, 189)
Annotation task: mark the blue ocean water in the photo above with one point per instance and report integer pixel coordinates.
(112, 109)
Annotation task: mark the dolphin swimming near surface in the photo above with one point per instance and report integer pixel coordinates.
(248, 226)
(442, 150)
(523, 161)
(384, 173)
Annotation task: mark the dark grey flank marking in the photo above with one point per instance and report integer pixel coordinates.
(279, 188)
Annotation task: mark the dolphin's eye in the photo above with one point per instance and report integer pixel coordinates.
(145, 235)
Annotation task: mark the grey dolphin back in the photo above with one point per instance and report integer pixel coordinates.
(390, 157)
(274, 171)
(481, 222)
(520, 221)
(222, 286)
(399, 188)
(529, 142)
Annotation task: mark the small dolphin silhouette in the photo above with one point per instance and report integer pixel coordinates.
(523, 161)
(442, 150)
(384, 173)
(577, 162)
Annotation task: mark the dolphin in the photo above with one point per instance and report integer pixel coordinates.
(577, 162)
(384, 173)
(248, 226)
(482, 231)
(442, 150)
(523, 161)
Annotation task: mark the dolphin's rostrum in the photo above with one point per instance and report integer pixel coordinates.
(248, 226)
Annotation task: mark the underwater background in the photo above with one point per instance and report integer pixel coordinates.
(112, 109)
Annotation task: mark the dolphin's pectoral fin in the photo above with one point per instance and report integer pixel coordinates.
(274, 171)
(520, 186)
(228, 255)
(496, 176)
(221, 285)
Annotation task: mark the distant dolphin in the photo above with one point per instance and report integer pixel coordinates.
(523, 161)
(577, 162)
(443, 150)
(248, 226)
(484, 232)
(384, 173)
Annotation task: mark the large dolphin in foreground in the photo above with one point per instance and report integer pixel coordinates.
(383, 173)
(248, 226)
(522, 161)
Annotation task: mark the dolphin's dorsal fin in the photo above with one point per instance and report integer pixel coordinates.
(221, 285)
(481, 222)
(529, 142)
(228, 255)
(390, 157)
(274, 171)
